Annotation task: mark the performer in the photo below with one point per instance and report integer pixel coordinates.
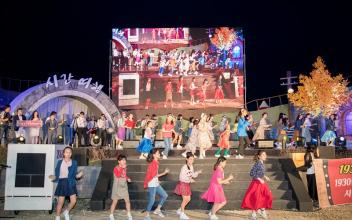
(183, 188)
(219, 93)
(282, 127)
(258, 196)
(34, 131)
(224, 142)
(203, 136)
(151, 182)
(82, 129)
(51, 125)
(306, 129)
(242, 125)
(192, 142)
(146, 144)
(168, 94)
(329, 135)
(190, 126)
(311, 154)
(167, 129)
(144, 123)
(215, 193)
(148, 88)
(130, 124)
(298, 127)
(102, 124)
(211, 127)
(19, 131)
(262, 128)
(178, 132)
(179, 90)
(120, 187)
(203, 93)
(5, 118)
(65, 176)
(192, 89)
(121, 130)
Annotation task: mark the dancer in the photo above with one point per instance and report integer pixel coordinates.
(219, 93)
(329, 135)
(215, 193)
(121, 130)
(190, 126)
(263, 126)
(224, 142)
(167, 129)
(179, 90)
(178, 132)
(151, 182)
(168, 94)
(146, 144)
(298, 127)
(148, 87)
(183, 188)
(258, 196)
(65, 176)
(203, 136)
(306, 130)
(311, 154)
(192, 142)
(211, 127)
(192, 88)
(120, 187)
(242, 126)
(130, 124)
(203, 93)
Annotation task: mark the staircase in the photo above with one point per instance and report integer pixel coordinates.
(234, 192)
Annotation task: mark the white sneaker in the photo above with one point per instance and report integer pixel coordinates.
(239, 156)
(195, 156)
(164, 157)
(57, 218)
(178, 212)
(262, 213)
(119, 147)
(159, 213)
(183, 216)
(66, 215)
(214, 217)
(129, 216)
(217, 155)
(179, 147)
(209, 213)
(184, 154)
(201, 157)
(227, 156)
(111, 217)
(253, 216)
(141, 157)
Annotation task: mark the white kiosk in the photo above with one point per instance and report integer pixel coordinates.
(28, 186)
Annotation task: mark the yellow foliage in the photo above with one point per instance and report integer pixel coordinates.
(320, 93)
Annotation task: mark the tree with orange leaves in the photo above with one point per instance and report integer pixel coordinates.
(223, 38)
(320, 93)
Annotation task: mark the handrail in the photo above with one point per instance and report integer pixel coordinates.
(261, 99)
(280, 97)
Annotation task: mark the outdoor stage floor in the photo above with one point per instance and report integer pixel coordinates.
(333, 213)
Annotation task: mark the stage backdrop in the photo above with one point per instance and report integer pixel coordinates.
(334, 181)
(179, 68)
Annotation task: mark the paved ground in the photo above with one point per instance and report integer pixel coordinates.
(335, 213)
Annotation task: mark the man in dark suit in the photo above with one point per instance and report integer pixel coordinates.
(18, 117)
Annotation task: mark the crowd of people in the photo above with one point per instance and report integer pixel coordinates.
(179, 62)
(257, 198)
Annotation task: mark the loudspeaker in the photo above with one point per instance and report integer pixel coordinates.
(130, 144)
(265, 143)
(81, 156)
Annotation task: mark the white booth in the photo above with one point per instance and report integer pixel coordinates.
(28, 186)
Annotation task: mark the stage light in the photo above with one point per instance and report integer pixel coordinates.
(60, 139)
(342, 139)
(210, 35)
(21, 140)
(290, 90)
(340, 142)
(96, 140)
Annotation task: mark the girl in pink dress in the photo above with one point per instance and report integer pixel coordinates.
(215, 192)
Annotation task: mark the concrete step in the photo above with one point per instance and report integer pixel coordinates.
(203, 185)
(206, 176)
(278, 204)
(230, 194)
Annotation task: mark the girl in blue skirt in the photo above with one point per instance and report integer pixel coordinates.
(146, 144)
(65, 176)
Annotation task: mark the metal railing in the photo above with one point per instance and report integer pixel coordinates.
(271, 101)
(17, 85)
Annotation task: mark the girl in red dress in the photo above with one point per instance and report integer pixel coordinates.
(202, 94)
(258, 196)
(192, 89)
(219, 94)
(168, 94)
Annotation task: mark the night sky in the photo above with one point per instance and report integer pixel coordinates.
(39, 39)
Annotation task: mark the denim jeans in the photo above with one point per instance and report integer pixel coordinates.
(4, 133)
(152, 191)
(167, 143)
(129, 134)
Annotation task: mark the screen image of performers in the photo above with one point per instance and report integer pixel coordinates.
(147, 90)
(168, 94)
(179, 91)
(202, 93)
(192, 89)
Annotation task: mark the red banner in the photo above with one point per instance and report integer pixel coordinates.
(340, 179)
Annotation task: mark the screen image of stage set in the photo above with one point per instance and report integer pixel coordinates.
(182, 68)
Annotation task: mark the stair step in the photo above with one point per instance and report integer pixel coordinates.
(279, 204)
(203, 185)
